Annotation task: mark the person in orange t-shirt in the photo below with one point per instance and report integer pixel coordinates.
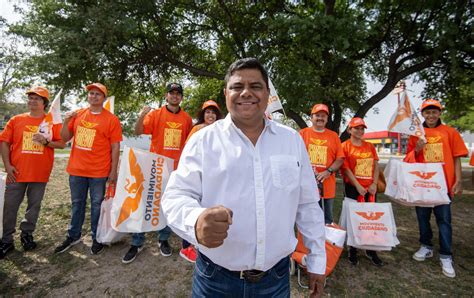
(28, 156)
(443, 144)
(93, 161)
(360, 173)
(326, 156)
(210, 113)
(169, 127)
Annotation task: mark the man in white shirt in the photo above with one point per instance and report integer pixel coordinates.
(240, 186)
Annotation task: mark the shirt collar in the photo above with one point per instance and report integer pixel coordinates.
(269, 124)
(179, 110)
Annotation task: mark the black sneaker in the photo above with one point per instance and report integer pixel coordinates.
(97, 247)
(372, 255)
(131, 254)
(66, 245)
(165, 248)
(27, 242)
(5, 248)
(353, 256)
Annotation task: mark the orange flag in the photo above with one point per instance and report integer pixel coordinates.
(109, 104)
(405, 120)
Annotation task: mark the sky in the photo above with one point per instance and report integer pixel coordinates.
(376, 121)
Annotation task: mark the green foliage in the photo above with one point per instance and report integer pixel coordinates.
(315, 51)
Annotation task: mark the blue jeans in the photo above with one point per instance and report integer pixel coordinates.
(139, 238)
(79, 187)
(211, 280)
(443, 220)
(328, 204)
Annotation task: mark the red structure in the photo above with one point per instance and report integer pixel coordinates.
(387, 142)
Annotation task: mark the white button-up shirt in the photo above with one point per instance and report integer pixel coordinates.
(269, 187)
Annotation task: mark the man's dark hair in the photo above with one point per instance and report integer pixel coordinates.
(246, 63)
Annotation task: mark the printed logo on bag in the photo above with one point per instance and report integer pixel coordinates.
(433, 151)
(371, 215)
(318, 152)
(425, 176)
(27, 145)
(172, 136)
(85, 135)
(373, 223)
(134, 190)
(144, 190)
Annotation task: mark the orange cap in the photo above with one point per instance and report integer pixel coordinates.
(41, 91)
(357, 121)
(431, 103)
(319, 107)
(99, 86)
(210, 103)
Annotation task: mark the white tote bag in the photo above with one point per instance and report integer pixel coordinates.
(3, 182)
(371, 226)
(141, 182)
(391, 177)
(416, 184)
(105, 233)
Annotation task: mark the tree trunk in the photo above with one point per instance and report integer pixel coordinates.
(296, 117)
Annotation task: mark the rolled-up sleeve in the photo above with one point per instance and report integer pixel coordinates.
(181, 200)
(310, 217)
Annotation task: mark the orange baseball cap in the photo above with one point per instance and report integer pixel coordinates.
(430, 102)
(210, 103)
(99, 86)
(41, 91)
(357, 121)
(319, 107)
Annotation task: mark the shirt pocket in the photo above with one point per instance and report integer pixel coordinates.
(285, 171)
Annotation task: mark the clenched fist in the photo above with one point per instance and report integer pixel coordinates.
(212, 225)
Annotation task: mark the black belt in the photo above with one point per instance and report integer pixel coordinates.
(252, 276)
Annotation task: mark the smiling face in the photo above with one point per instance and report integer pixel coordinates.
(210, 116)
(35, 102)
(174, 98)
(319, 120)
(95, 97)
(431, 116)
(246, 96)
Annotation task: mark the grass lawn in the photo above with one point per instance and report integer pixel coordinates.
(77, 273)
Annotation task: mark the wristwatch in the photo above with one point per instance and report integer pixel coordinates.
(330, 170)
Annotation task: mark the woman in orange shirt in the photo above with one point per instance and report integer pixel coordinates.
(360, 172)
(210, 113)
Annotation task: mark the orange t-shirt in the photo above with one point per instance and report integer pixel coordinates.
(94, 134)
(443, 144)
(195, 129)
(168, 132)
(361, 161)
(471, 162)
(33, 161)
(323, 149)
